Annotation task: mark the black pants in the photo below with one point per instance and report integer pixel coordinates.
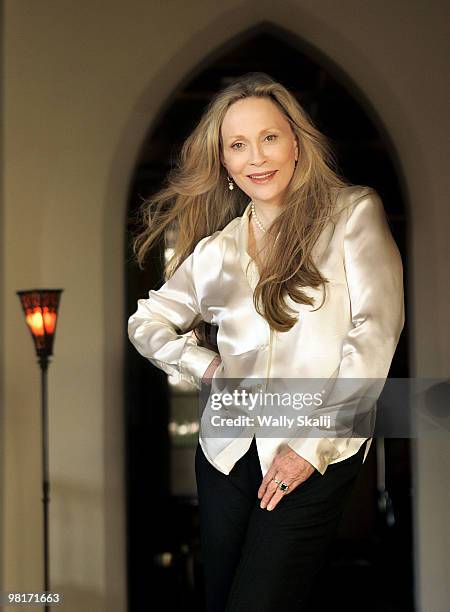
(261, 560)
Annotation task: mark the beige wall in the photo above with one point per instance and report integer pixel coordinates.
(83, 83)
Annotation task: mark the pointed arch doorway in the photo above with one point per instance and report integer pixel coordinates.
(163, 549)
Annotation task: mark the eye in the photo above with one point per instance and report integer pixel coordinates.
(234, 146)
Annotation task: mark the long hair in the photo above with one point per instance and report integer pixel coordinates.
(195, 201)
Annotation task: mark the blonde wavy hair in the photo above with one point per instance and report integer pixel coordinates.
(195, 201)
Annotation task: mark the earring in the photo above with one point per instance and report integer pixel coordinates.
(230, 184)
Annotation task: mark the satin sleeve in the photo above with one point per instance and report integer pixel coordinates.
(374, 274)
(158, 329)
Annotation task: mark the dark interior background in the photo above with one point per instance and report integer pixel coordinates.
(372, 557)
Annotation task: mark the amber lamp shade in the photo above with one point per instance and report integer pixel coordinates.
(40, 307)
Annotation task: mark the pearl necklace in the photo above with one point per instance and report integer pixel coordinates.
(257, 221)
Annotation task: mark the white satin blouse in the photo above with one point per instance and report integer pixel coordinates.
(353, 335)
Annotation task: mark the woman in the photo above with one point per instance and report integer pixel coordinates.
(299, 271)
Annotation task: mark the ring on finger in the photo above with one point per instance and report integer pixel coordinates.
(281, 485)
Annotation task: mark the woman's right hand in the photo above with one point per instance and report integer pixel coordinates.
(209, 372)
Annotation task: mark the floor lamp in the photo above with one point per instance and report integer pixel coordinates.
(40, 307)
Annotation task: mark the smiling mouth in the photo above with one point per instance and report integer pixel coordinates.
(263, 177)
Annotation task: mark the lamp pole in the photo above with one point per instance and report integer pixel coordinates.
(44, 362)
(40, 307)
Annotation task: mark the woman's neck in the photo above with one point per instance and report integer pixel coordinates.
(256, 243)
(266, 212)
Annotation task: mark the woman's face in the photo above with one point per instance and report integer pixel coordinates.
(257, 138)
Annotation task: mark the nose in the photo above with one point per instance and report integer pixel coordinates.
(257, 156)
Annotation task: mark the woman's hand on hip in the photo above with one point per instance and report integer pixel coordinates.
(288, 467)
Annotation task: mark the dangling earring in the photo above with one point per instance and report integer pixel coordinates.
(230, 183)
